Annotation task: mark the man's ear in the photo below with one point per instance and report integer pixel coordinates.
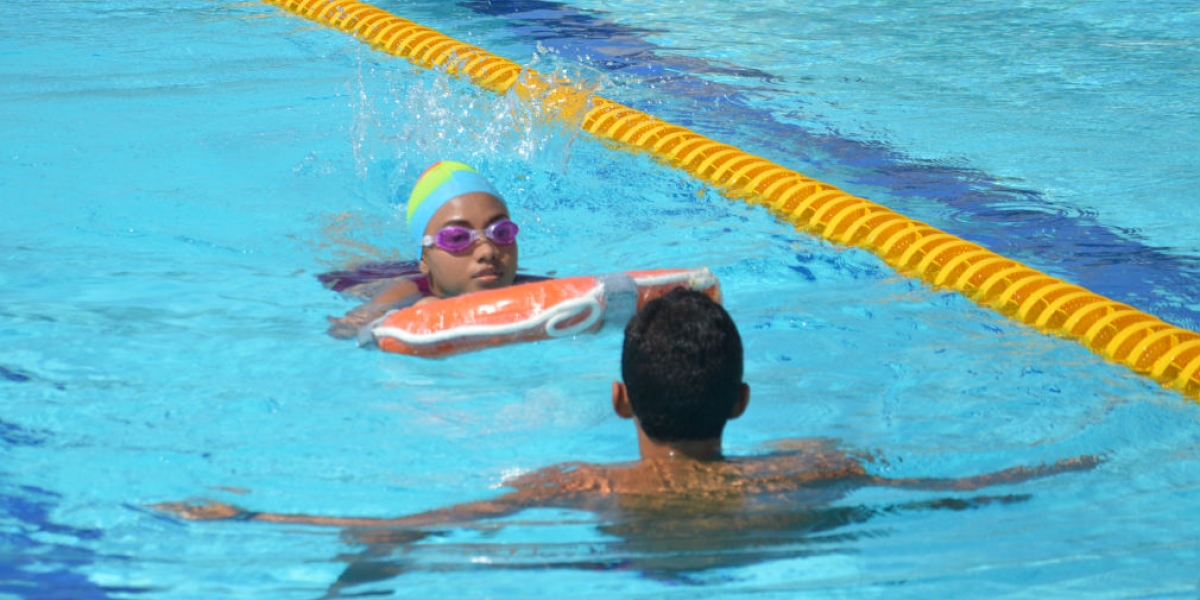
(424, 267)
(739, 407)
(620, 398)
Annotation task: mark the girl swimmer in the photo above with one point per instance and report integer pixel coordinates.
(465, 239)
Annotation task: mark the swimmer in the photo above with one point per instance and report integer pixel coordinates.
(681, 371)
(464, 237)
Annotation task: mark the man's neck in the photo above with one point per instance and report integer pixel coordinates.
(698, 450)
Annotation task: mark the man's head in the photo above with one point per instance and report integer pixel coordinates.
(682, 367)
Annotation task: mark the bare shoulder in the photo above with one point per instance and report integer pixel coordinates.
(813, 453)
(808, 444)
(564, 478)
(809, 462)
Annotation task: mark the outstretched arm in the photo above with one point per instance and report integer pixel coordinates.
(207, 510)
(1007, 476)
(539, 488)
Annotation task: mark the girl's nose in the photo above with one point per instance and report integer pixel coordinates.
(486, 249)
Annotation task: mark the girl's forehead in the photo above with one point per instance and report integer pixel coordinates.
(470, 207)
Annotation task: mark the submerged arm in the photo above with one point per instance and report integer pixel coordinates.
(1007, 476)
(208, 510)
(401, 293)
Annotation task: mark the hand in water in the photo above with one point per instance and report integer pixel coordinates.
(344, 328)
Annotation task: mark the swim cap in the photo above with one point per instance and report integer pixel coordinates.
(439, 184)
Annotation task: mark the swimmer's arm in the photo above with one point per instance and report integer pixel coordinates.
(397, 293)
(401, 293)
(1004, 477)
(208, 510)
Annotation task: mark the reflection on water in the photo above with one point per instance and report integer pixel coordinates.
(673, 538)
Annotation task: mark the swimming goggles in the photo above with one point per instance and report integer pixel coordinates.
(456, 238)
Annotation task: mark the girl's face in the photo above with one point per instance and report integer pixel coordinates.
(484, 265)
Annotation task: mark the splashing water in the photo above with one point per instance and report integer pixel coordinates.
(403, 123)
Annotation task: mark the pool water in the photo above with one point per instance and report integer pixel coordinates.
(175, 178)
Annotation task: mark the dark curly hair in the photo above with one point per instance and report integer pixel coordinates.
(682, 366)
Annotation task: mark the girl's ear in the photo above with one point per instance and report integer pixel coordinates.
(620, 400)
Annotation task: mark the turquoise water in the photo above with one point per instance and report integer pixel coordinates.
(174, 179)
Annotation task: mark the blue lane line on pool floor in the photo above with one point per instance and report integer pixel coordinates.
(1014, 222)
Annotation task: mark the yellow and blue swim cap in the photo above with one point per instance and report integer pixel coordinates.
(439, 184)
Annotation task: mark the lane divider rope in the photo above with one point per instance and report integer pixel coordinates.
(1116, 331)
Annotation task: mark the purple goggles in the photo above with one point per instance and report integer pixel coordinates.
(456, 238)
